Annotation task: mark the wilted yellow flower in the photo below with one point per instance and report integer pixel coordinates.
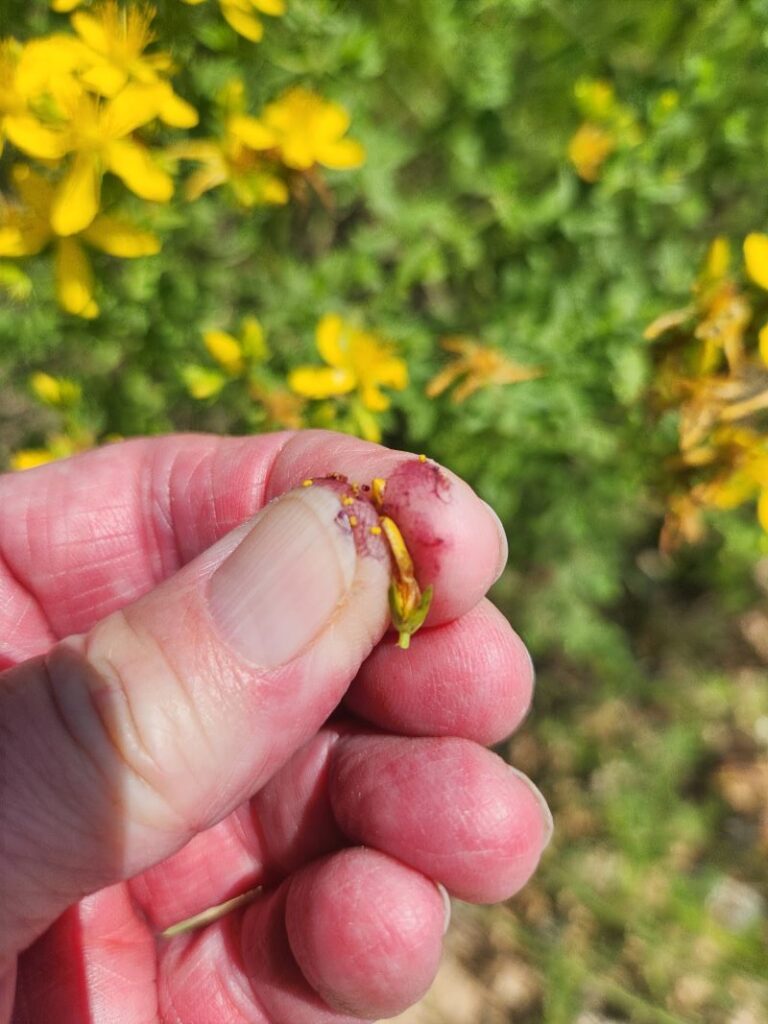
(96, 133)
(481, 366)
(588, 149)
(357, 361)
(243, 17)
(27, 229)
(304, 129)
(720, 310)
(114, 39)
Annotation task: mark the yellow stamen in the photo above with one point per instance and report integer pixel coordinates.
(400, 552)
(307, 483)
(376, 530)
(422, 458)
(347, 501)
(353, 520)
(378, 485)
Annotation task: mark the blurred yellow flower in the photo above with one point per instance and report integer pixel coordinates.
(27, 228)
(57, 446)
(588, 150)
(59, 392)
(235, 354)
(96, 133)
(480, 365)
(242, 15)
(304, 129)
(114, 39)
(229, 160)
(357, 361)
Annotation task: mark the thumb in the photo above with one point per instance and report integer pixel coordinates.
(120, 744)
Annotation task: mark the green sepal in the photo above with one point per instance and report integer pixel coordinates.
(407, 625)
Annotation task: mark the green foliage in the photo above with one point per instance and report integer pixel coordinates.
(467, 218)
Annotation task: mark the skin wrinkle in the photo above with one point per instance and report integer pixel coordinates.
(117, 744)
(7, 568)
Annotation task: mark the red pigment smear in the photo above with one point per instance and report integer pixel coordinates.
(410, 497)
(361, 512)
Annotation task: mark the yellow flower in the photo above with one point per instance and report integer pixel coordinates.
(242, 15)
(229, 160)
(235, 354)
(358, 361)
(304, 130)
(95, 132)
(115, 38)
(57, 446)
(59, 392)
(720, 309)
(26, 229)
(588, 149)
(481, 366)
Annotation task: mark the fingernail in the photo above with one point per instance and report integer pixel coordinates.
(279, 588)
(503, 543)
(549, 821)
(446, 905)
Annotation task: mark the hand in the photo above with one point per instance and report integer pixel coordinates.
(184, 743)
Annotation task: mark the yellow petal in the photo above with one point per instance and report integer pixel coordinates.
(76, 202)
(91, 30)
(201, 382)
(74, 280)
(225, 350)
(64, 6)
(342, 155)
(254, 342)
(31, 137)
(762, 510)
(718, 258)
(105, 79)
(391, 372)
(329, 336)
(19, 238)
(366, 423)
(272, 7)
(203, 180)
(374, 399)
(320, 381)
(133, 107)
(56, 391)
(330, 120)
(176, 112)
(45, 387)
(245, 24)
(251, 132)
(205, 150)
(119, 238)
(30, 458)
(298, 152)
(135, 167)
(756, 258)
